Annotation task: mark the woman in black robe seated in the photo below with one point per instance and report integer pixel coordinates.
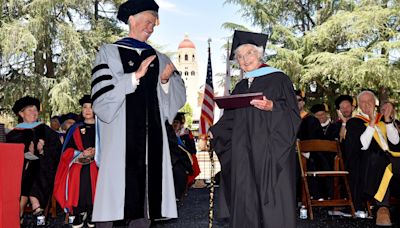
(42, 147)
(255, 144)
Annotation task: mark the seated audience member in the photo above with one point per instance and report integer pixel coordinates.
(310, 127)
(181, 162)
(390, 105)
(186, 135)
(330, 130)
(322, 187)
(75, 182)
(42, 147)
(55, 123)
(345, 106)
(67, 120)
(370, 141)
(56, 126)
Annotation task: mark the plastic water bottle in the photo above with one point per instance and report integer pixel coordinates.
(303, 212)
(71, 219)
(41, 220)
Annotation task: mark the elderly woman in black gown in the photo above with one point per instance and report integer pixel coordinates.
(255, 144)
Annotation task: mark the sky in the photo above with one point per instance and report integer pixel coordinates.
(200, 20)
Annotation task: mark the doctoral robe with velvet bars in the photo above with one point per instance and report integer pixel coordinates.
(132, 147)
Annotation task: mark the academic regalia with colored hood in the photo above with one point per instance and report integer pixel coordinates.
(75, 183)
(38, 177)
(187, 138)
(366, 167)
(132, 151)
(256, 150)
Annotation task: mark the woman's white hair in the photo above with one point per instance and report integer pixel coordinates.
(259, 49)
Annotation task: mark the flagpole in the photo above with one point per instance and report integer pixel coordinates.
(228, 72)
(211, 154)
(211, 209)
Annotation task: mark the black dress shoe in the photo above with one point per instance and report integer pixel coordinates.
(78, 221)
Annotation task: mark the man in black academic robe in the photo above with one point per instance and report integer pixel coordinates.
(370, 139)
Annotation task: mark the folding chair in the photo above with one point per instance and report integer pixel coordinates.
(331, 147)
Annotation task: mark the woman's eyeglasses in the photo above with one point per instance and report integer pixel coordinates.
(246, 55)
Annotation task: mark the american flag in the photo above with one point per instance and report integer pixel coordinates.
(207, 109)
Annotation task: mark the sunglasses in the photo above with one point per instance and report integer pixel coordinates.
(299, 99)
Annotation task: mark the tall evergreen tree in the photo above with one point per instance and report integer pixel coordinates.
(341, 46)
(47, 48)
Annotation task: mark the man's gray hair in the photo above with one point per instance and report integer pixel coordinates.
(154, 13)
(364, 93)
(260, 51)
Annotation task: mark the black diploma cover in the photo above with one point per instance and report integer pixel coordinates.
(237, 100)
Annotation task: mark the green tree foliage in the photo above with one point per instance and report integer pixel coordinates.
(341, 46)
(47, 48)
(188, 115)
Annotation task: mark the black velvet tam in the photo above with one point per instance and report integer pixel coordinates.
(344, 98)
(133, 7)
(25, 102)
(85, 99)
(319, 107)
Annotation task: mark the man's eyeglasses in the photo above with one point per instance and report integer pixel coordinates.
(299, 99)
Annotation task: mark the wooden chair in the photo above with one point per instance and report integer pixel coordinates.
(331, 147)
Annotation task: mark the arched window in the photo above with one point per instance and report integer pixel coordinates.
(192, 73)
(186, 57)
(179, 58)
(193, 58)
(186, 73)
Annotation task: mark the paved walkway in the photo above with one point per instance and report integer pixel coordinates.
(193, 213)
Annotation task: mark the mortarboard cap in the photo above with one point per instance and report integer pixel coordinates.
(85, 99)
(56, 118)
(132, 7)
(242, 37)
(344, 98)
(319, 107)
(180, 116)
(24, 102)
(68, 116)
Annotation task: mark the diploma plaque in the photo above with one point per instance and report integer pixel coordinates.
(237, 100)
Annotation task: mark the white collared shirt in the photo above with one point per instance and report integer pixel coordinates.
(391, 133)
